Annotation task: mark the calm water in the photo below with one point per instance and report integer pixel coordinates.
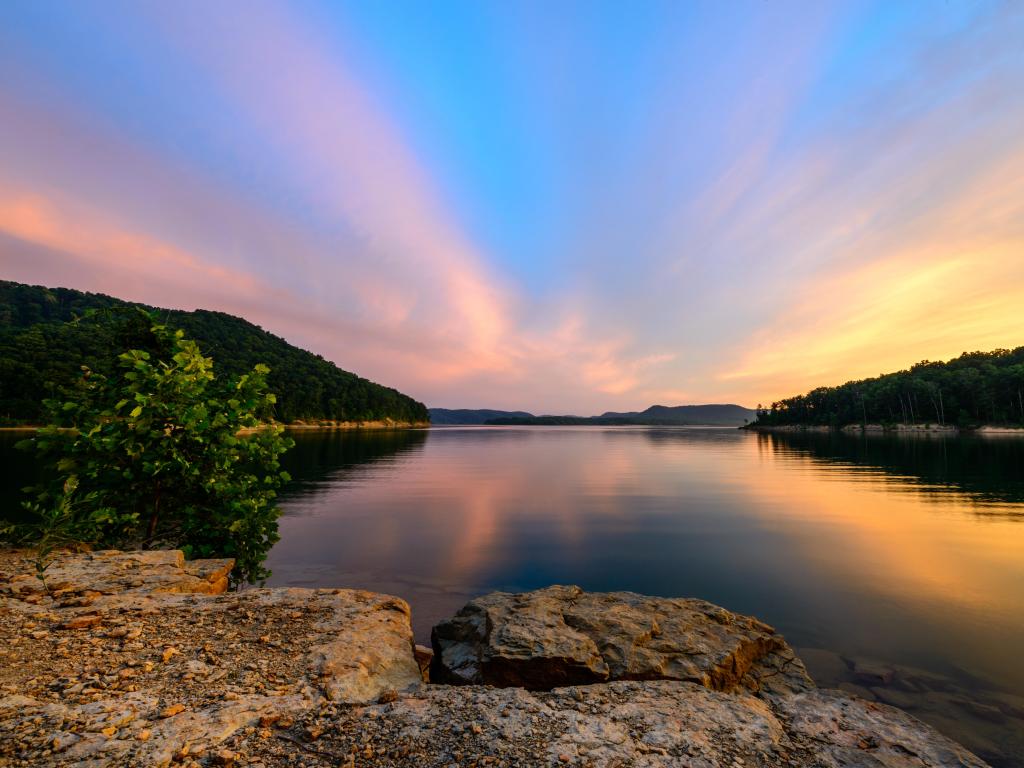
(905, 552)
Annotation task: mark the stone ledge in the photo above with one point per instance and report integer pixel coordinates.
(127, 659)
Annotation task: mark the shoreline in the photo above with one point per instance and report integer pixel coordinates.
(297, 426)
(376, 424)
(895, 429)
(144, 658)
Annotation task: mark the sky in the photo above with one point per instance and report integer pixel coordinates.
(559, 207)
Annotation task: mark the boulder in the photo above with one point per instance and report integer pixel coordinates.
(564, 636)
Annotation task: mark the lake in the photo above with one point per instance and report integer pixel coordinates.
(904, 555)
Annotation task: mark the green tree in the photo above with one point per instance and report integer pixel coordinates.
(161, 451)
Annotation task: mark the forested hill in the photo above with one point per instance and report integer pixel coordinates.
(41, 352)
(973, 389)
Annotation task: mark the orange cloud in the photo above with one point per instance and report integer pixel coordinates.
(957, 285)
(91, 236)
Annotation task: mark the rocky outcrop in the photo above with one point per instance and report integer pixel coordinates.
(142, 664)
(564, 636)
(652, 724)
(82, 578)
(125, 659)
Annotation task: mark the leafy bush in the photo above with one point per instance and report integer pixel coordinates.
(160, 451)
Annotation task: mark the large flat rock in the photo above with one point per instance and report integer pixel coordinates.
(136, 671)
(653, 724)
(81, 578)
(564, 636)
(132, 668)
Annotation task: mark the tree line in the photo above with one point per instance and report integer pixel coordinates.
(973, 389)
(47, 335)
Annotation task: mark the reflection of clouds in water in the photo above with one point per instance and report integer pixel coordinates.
(899, 544)
(832, 550)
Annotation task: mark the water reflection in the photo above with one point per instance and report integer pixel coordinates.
(907, 553)
(18, 469)
(325, 456)
(988, 469)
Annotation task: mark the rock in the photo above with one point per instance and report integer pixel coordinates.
(564, 636)
(825, 667)
(654, 724)
(844, 724)
(82, 622)
(337, 668)
(77, 577)
(423, 656)
(870, 673)
(858, 690)
(214, 572)
(349, 646)
(990, 712)
(370, 650)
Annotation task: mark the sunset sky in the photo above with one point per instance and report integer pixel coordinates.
(554, 206)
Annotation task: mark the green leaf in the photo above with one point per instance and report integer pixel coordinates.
(135, 411)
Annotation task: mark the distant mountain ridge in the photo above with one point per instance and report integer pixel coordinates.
(470, 416)
(716, 415)
(42, 351)
(713, 414)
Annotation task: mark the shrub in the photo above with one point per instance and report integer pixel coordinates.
(161, 452)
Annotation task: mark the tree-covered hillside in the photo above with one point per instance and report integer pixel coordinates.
(975, 388)
(47, 334)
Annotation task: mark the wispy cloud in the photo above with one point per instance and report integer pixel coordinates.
(818, 204)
